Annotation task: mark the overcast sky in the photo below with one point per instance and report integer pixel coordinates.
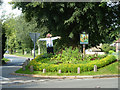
(8, 8)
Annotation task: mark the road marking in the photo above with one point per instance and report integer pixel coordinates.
(20, 81)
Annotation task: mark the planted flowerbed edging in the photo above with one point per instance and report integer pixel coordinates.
(72, 68)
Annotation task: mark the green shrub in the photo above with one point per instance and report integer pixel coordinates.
(72, 67)
(68, 55)
(111, 51)
(5, 59)
(106, 48)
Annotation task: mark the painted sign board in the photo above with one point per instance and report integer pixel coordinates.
(83, 38)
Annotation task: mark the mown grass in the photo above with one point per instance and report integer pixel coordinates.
(25, 55)
(21, 55)
(107, 70)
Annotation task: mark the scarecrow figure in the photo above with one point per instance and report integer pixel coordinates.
(49, 42)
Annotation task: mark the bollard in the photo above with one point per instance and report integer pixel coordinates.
(95, 68)
(59, 71)
(78, 70)
(23, 67)
(31, 68)
(44, 70)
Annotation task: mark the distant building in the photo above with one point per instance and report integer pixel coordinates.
(118, 45)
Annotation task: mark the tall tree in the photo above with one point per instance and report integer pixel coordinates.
(23, 30)
(2, 37)
(72, 18)
(10, 33)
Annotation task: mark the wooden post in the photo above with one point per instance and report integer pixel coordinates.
(83, 50)
(59, 71)
(78, 70)
(31, 68)
(44, 70)
(95, 68)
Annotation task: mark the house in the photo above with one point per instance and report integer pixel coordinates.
(118, 45)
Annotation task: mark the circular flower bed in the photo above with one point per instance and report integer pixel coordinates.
(44, 62)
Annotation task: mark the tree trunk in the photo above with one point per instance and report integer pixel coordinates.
(14, 50)
(23, 51)
(11, 51)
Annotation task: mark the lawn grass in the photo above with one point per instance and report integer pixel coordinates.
(21, 55)
(107, 70)
(26, 55)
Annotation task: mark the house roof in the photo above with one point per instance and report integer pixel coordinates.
(118, 41)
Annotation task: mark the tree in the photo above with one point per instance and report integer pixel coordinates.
(24, 28)
(2, 40)
(1, 2)
(2, 37)
(10, 33)
(72, 18)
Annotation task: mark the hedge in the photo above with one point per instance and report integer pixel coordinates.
(38, 66)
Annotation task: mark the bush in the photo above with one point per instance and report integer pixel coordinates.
(68, 55)
(111, 51)
(72, 67)
(106, 48)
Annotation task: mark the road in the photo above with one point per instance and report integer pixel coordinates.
(12, 81)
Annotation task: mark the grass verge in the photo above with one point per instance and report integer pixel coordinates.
(5, 59)
(107, 70)
(18, 54)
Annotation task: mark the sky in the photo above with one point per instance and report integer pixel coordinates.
(8, 8)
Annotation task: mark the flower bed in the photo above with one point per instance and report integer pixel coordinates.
(69, 67)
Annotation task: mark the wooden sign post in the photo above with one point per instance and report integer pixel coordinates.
(83, 49)
(84, 40)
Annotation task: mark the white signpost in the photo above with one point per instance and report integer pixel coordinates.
(34, 37)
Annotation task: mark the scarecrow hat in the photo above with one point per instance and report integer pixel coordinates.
(48, 35)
